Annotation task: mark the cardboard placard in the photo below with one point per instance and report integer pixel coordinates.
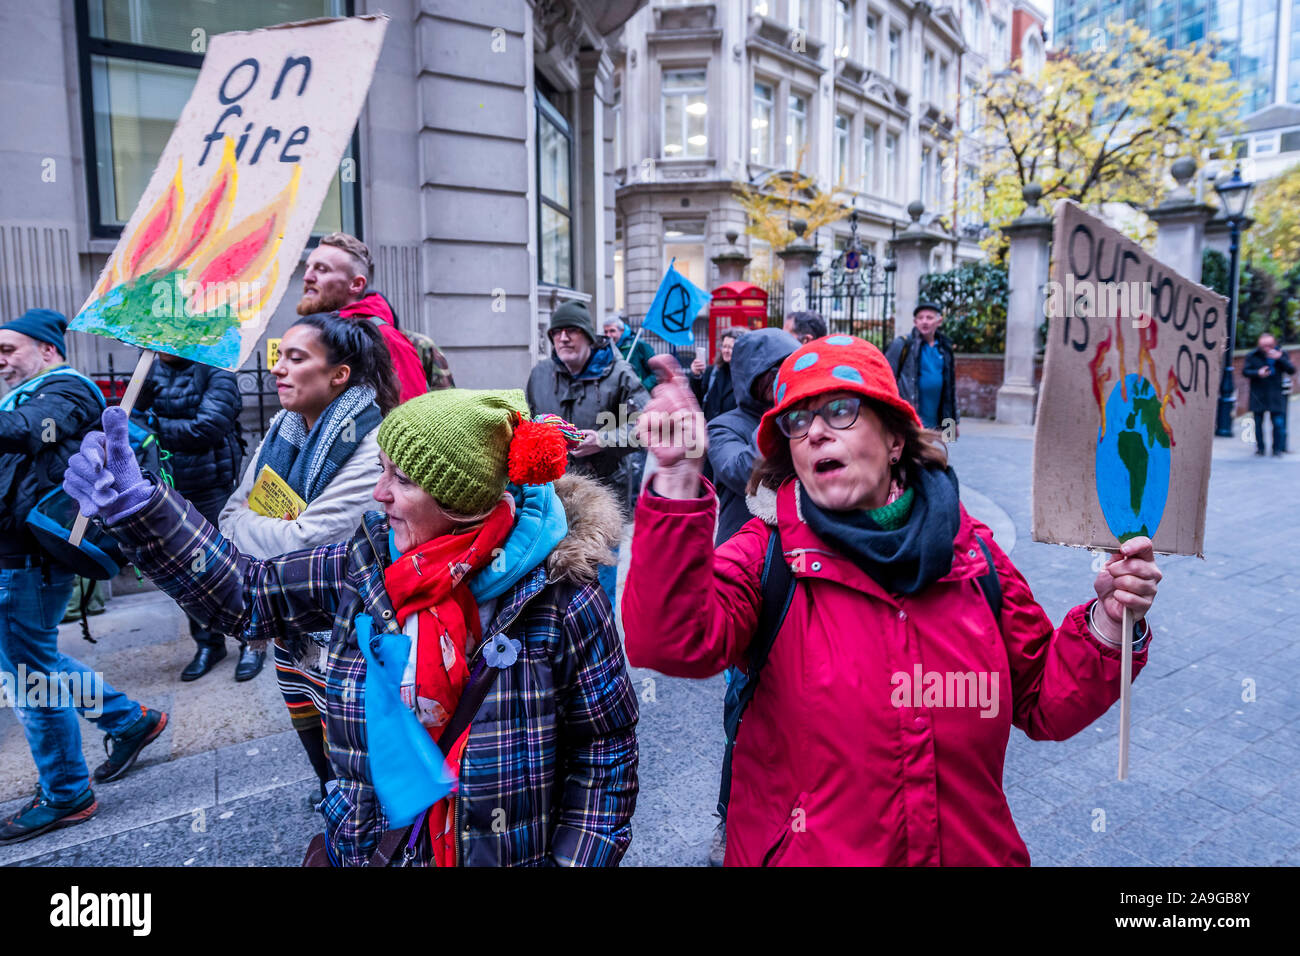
(210, 248)
(1126, 409)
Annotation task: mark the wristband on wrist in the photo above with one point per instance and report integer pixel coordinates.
(1141, 633)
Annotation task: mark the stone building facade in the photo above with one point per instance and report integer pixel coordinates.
(712, 95)
(480, 174)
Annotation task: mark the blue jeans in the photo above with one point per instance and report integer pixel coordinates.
(1279, 431)
(32, 602)
(607, 577)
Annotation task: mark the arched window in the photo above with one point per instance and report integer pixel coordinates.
(1033, 55)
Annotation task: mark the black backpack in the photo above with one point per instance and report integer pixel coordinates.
(776, 587)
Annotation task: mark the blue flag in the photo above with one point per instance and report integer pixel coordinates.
(677, 303)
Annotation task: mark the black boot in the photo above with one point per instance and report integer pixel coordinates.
(250, 663)
(205, 658)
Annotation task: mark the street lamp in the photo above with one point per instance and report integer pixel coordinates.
(1234, 195)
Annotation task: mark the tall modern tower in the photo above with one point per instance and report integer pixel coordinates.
(1258, 39)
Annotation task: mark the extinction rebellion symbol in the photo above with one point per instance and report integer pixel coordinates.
(677, 305)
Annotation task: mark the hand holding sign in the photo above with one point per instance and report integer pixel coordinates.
(1125, 418)
(1127, 582)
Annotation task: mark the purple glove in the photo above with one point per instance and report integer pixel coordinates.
(103, 475)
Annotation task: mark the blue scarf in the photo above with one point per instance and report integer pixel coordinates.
(23, 391)
(601, 359)
(308, 461)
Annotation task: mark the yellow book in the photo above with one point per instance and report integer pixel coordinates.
(271, 496)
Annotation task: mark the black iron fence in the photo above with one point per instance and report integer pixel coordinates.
(256, 388)
(858, 301)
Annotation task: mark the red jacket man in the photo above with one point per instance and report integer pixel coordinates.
(338, 272)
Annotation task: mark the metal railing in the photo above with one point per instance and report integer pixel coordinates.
(256, 386)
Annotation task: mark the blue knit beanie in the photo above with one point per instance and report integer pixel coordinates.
(43, 325)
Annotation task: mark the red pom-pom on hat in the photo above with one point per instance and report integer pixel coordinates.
(539, 450)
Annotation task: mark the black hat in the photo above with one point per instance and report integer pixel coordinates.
(927, 304)
(573, 315)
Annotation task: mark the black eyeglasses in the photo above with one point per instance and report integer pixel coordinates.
(838, 413)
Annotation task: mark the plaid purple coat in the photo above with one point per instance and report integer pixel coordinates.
(549, 776)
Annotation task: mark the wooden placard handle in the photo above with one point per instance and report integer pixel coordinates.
(1125, 693)
(132, 392)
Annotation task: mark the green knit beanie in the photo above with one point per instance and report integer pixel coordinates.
(454, 443)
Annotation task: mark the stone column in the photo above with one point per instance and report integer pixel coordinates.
(912, 252)
(1180, 221)
(1027, 261)
(593, 250)
(796, 258)
(732, 262)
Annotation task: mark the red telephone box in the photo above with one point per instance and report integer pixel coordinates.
(736, 304)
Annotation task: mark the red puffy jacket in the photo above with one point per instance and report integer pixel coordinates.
(844, 757)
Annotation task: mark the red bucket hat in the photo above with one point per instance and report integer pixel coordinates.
(836, 363)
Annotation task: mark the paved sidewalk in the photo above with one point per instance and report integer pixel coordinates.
(1215, 779)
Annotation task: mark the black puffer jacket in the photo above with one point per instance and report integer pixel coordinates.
(195, 409)
(30, 466)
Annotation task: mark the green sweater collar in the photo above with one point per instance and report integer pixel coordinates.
(895, 514)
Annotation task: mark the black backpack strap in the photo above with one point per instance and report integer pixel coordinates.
(989, 583)
(776, 589)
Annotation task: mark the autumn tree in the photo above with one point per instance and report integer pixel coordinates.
(783, 197)
(1274, 238)
(1099, 125)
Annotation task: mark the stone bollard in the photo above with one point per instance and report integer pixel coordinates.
(1027, 262)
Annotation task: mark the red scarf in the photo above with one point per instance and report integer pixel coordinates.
(426, 581)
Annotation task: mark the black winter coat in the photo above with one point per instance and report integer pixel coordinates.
(195, 409)
(714, 391)
(1266, 390)
(30, 466)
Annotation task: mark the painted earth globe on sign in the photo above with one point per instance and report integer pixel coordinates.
(1133, 460)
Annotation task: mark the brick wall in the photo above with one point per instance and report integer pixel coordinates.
(980, 376)
(978, 379)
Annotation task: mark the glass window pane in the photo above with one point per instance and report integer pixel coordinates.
(760, 126)
(554, 148)
(556, 265)
(135, 107)
(673, 126)
(867, 180)
(796, 129)
(890, 178)
(697, 139)
(843, 28)
(841, 148)
(171, 24)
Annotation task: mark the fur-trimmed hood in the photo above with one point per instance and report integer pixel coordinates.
(762, 504)
(595, 528)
